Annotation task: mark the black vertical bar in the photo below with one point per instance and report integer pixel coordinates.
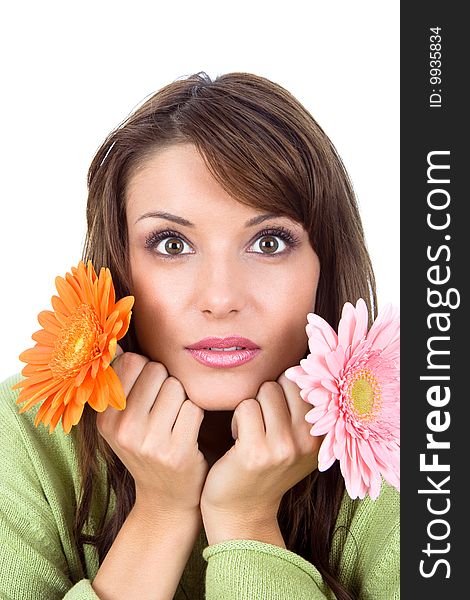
(434, 268)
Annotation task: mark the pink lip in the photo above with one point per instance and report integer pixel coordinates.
(223, 359)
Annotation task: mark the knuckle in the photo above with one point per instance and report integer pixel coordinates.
(156, 369)
(171, 459)
(248, 404)
(131, 362)
(125, 438)
(191, 408)
(269, 387)
(257, 461)
(285, 452)
(174, 384)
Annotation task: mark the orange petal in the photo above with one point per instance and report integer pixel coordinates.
(55, 418)
(41, 395)
(46, 338)
(125, 326)
(19, 385)
(112, 296)
(124, 305)
(75, 285)
(108, 356)
(102, 341)
(116, 329)
(48, 320)
(104, 285)
(42, 411)
(94, 367)
(33, 369)
(59, 306)
(70, 394)
(67, 293)
(112, 318)
(39, 377)
(100, 398)
(85, 390)
(91, 273)
(86, 284)
(82, 374)
(117, 398)
(38, 355)
(72, 415)
(58, 397)
(30, 389)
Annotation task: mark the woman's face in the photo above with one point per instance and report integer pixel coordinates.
(200, 269)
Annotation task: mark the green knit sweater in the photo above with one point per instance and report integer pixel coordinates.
(39, 488)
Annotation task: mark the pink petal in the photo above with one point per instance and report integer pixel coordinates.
(329, 385)
(386, 335)
(293, 372)
(354, 473)
(325, 455)
(375, 485)
(328, 332)
(367, 454)
(315, 366)
(345, 467)
(335, 362)
(319, 396)
(316, 341)
(362, 317)
(315, 414)
(339, 446)
(325, 423)
(346, 325)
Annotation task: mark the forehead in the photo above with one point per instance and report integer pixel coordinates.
(176, 180)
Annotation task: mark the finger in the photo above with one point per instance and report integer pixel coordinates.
(234, 426)
(144, 393)
(298, 407)
(250, 424)
(275, 410)
(188, 423)
(167, 405)
(128, 367)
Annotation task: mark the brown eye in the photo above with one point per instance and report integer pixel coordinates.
(174, 246)
(269, 244)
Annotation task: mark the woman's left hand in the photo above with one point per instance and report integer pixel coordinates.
(273, 451)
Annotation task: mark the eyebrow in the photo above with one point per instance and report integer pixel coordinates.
(169, 217)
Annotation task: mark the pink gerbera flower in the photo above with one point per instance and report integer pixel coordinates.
(352, 380)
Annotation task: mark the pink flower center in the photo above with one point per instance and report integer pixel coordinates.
(363, 394)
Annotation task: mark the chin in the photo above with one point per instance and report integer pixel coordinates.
(212, 395)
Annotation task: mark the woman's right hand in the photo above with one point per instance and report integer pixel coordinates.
(156, 435)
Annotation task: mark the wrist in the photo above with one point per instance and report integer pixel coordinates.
(221, 526)
(150, 513)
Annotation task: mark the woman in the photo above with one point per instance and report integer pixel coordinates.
(223, 208)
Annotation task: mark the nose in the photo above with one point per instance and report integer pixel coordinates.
(221, 287)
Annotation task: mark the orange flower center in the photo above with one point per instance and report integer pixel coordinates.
(77, 343)
(365, 394)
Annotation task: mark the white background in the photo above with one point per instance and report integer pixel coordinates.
(71, 73)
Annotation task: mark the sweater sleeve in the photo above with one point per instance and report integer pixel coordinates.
(369, 559)
(246, 569)
(32, 561)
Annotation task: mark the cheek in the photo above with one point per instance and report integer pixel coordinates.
(156, 309)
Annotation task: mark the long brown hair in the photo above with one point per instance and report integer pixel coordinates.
(266, 150)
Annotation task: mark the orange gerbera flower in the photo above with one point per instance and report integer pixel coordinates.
(69, 364)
